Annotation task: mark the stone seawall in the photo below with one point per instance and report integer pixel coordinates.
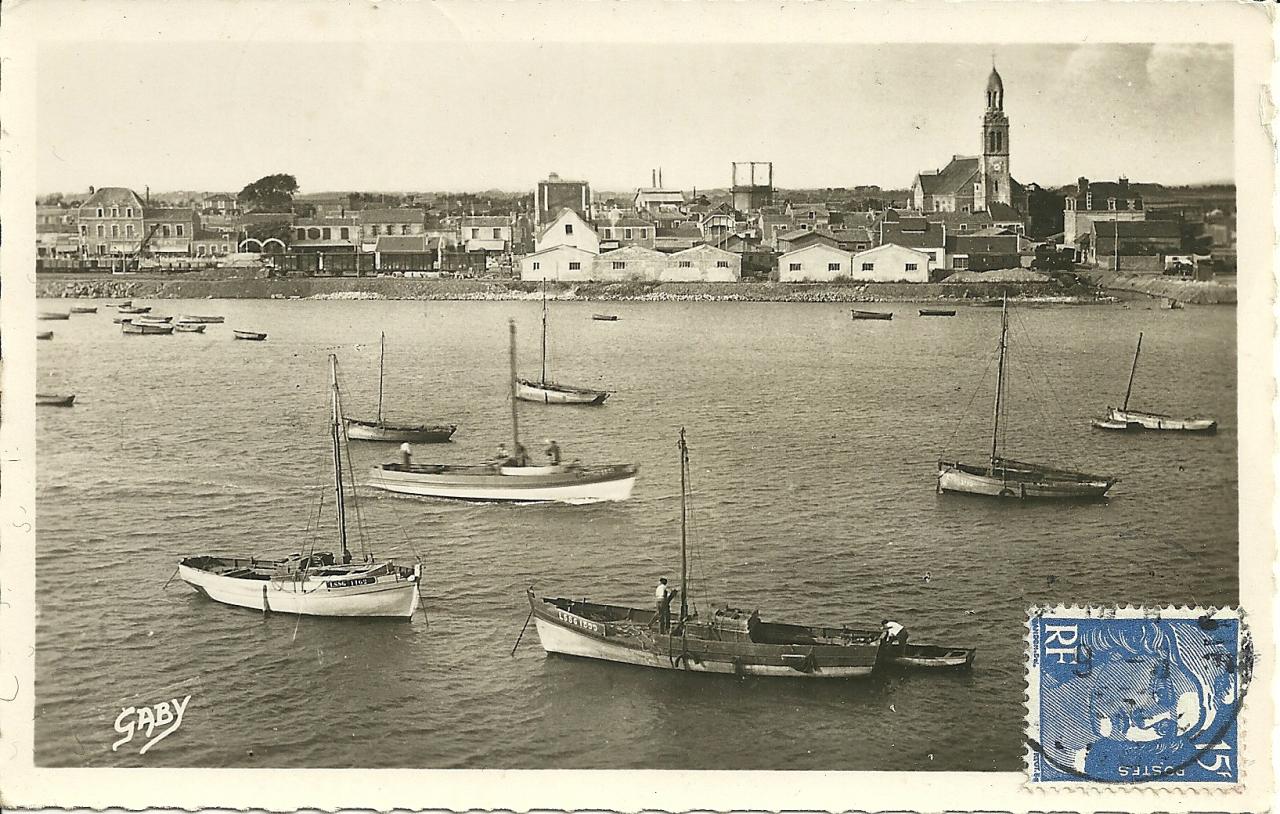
(1193, 292)
(396, 288)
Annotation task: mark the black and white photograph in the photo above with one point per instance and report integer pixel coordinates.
(556, 397)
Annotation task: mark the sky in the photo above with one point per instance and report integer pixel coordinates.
(467, 116)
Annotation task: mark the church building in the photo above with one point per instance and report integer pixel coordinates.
(976, 183)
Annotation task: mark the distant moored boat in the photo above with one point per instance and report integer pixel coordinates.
(55, 399)
(196, 318)
(134, 309)
(937, 312)
(54, 315)
(84, 309)
(44, 334)
(252, 336)
(1123, 418)
(382, 430)
(190, 327)
(146, 328)
(605, 317)
(854, 313)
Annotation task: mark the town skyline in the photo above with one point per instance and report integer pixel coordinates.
(1155, 113)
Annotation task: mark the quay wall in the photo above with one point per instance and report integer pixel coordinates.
(140, 287)
(1192, 292)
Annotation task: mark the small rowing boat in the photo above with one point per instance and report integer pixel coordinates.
(44, 334)
(197, 318)
(134, 309)
(84, 309)
(146, 328)
(1122, 418)
(252, 336)
(153, 319)
(937, 312)
(605, 317)
(854, 313)
(121, 320)
(54, 400)
(54, 315)
(189, 327)
(926, 656)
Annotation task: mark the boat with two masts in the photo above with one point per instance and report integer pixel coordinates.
(549, 392)
(315, 583)
(999, 476)
(731, 641)
(511, 479)
(1122, 418)
(382, 430)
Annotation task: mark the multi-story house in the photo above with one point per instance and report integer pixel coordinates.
(1111, 201)
(625, 231)
(488, 233)
(111, 222)
(171, 229)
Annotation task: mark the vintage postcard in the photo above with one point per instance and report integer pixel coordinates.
(621, 406)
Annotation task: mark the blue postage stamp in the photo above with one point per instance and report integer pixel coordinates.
(1135, 695)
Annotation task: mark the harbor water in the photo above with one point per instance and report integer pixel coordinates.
(813, 442)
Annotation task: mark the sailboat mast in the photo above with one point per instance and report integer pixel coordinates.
(1132, 371)
(684, 558)
(543, 380)
(1004, 330)
(515, 418)
(337, 459)
(382, 352)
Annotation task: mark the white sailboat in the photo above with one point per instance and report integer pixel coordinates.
(314, 584)
(514, 478)
(549, 392)
(382, 430)
(1123, 418)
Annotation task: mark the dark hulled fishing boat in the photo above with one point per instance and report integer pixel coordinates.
(383, 430)
(548, 392)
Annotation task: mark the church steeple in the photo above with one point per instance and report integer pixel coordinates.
(995, 90)
(996, 182)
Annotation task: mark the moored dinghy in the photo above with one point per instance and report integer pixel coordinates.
(136, 327)
(511, 478)
(1003, 477)
(382, 430)
(190, 327)
(1125, 419)
(854, 313)
(937, 312)
(315, 584)
(549, 392)
(55, 399)
(197, 318)
(732, 641)
(54, 315)
(926, 656)
(252, 336)
(84, 309)
(44, 334)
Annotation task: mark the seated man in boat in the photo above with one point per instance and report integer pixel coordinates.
(553, 453)
(894, 633)
(663, 596)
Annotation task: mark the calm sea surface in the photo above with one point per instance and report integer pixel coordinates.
(813, 440)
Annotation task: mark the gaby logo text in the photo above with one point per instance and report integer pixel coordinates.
(144, 721)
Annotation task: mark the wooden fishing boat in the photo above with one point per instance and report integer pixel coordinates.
(133, 309)
(121, 320)
(732, 640)
(124, 304)
(197, 318)
(854, 313)
(1122, 418)
(312, 584)
(252, 336)
(153, 319)
(937, 312)
(382, 430)
(546, 391)
(189, 327)
(510, 478)
(53, 315)
(925, 656)
(84, 309)
(55, 399)
(44, 334)
(605, 317)
(150, 328)
(1003, 477)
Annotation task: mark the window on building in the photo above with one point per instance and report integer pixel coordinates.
(475, 234)
(102, 248)
(833, 266)
(1088, 200)
(345, 232)
(115, 230)
(618, 265)
(166, 231)
(99, 211)
(225, 248)
(1111, 203)
(684, 264)
(626, 234)
(933, 257)
(180, 229)
(101, 230)
(115, 211)
(84, 230)
(302, 234)
(376, 229)
(722, 264)
(966, 209)
(497, 233)
(960, 262)
(644, 233)
(574, 266)
(536, 265)
(568, 228)
(128, 230)
(911, 266)
(607, 232)
(795, 267)
(326, 233)
(964, 227)
(128, 211)
(868, 266)
(200, 250)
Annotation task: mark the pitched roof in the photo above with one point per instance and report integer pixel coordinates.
(952, 178)
(114, 196)
(855, 234)
(703, 248)
(485, 220)
(402, 243)
(908, 232)
(678, 231)
(392, 216)
(636, 252)
(1004, 212)
(1139, 228)
(625, 222)
(985, 244)
(824, 246)
(662, 195)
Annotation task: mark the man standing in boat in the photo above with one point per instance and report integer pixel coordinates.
(663, 595)
(553, 453)
(894, 633)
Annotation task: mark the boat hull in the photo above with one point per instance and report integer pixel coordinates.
(54, 400)
(373, 431)
(604, 317)
(1139, 420)
(565, 484)
(200, 319)
(251, 336)
(53, 315)
(382, 597)
(927, 657)
(84, 309)
(933, 312)
(551, 393)
(44, 334)
(856, 314)
(565, 633)
(189, 327)
(150, 328)
(1023, 484)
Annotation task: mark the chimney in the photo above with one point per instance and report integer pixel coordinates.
(1124, 184)
(91, 189)
(653, 178)
(1082, 185)
(659, 177)
(148, 195)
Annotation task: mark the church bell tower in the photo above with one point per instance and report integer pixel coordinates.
(996, 184)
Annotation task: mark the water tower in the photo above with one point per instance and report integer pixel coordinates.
(752, 185)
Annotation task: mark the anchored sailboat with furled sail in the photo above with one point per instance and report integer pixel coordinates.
(382, 430)
(312, 584)
(731, 641)
(1125, 419)
(549, 392)
(1003, 477)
